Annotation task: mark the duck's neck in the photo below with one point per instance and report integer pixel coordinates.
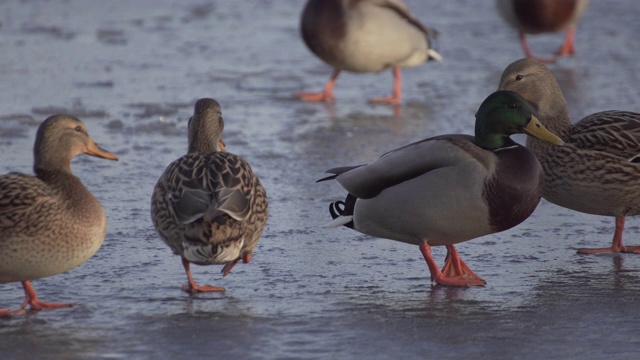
(204, 147)
(67, 186)
(204, 141)
(493, 142)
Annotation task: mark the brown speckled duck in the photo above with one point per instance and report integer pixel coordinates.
(50, 222)
(365, 36)
(208, 206)
(544, 16)
(450, 188)
(598, 170)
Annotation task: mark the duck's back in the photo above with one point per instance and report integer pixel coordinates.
(213, 179)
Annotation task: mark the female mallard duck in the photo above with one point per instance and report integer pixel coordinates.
(365, 36)
(597, 172)
(450, 188)
(208, 206)
(49, 223)
(544, 16)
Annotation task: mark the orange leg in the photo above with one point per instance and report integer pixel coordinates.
(226, 269)
(568, 46)
(325, 95)
(616, 245)
(397, 90)
(529, 54)
(192, 287)
(456, 272)
(246, 258)
(35, 304)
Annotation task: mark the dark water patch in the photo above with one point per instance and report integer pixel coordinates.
(199, 12)
(53, 31)
(95, 84)
(77, 109)
(111, 36)
(149, 110)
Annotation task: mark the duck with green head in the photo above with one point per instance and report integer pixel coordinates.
(450, 188)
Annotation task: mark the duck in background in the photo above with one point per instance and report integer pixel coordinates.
(449, 189)
(598, 170)
(365, 36)
(208, 206)
(50, 222)
(544, 16)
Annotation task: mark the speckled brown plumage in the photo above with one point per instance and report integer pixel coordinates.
(49, 223)
(208, 206)
(598, 170)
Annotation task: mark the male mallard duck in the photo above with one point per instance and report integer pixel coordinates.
(365, 36)
(449, 188)
(544, 16)
(208, 206)
(49, 223)
(597, 171)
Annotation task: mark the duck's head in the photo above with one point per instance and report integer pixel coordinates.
(59, 139)
(205, 127)
(533, 81)
(503, 114)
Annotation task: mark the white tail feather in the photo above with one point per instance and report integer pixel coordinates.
(434, 54)
(339, 221)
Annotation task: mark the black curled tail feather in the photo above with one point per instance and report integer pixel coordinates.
(336, 209)
(343, 208)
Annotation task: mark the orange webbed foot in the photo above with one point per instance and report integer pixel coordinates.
(314, 96)
(191, 287)
(615, 250)
(6, 313)
(454, 273)
(37, 305)
(194, 289)
(391, 100)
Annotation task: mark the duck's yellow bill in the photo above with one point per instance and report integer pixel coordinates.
(537, 130)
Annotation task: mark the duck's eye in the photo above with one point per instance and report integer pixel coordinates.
(512, 106)
(519, 77)
(78, 128)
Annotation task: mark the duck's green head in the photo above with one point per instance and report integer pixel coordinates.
(503, 114)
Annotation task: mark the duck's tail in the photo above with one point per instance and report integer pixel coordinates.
(434, 55)
(342, 212)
